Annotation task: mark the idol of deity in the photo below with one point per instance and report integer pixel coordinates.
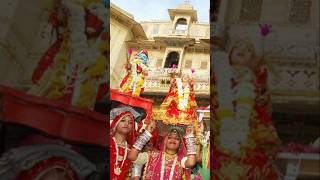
(137, 69)
(245, 136)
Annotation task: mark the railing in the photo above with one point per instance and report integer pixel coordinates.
(165, 72)
(162, 72)
(159, 81)
(162, 85)
(178, 32)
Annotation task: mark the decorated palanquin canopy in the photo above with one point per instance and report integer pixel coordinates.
(173, 117)
(54, 118)
(179, 107)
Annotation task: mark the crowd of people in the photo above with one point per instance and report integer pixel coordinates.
(244, 135)
(170, 152)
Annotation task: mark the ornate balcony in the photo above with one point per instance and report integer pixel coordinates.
(158, 81)
(178, 32)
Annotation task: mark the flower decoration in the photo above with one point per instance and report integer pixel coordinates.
(183, 95)
(193, 70)
(130, 51)
(265, 29)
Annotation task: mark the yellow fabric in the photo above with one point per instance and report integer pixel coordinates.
(86, 3)
(224, 113)
(88, 90)
(245, 101)
(104, 46)
(56, 82)
(135, 81)
(99, 68)
(87, 95)
(183, 119)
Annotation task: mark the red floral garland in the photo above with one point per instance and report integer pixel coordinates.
(46, 60)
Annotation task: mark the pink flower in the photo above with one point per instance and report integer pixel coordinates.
(265, 29)
(197, 178)
(193, 70)
(130, 51)
(174, 66)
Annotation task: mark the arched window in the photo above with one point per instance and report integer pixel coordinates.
(172, 58)
(181, 24)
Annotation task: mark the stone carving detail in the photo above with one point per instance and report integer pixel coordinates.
(188, 64)
(292, 50)
(290, 74)
(159, 63)
(203, 65)
(300, 11)
(309, 73)
(250, 10)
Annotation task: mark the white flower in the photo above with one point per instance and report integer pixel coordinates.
(234, 130)
(183, 95)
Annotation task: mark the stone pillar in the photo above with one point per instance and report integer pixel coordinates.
(223, 9)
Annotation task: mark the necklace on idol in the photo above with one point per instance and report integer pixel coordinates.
(117, 170)
(170, 156)
(163, 167)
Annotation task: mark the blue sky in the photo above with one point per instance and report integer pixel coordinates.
(146, 10)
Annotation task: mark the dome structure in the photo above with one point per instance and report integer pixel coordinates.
(183, 9)
(185, 6)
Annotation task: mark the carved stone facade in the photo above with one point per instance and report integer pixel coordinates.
(250, 10)
(122, 28)
(291, 50)
(292, 55)
(183, 40)
(300, 11)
